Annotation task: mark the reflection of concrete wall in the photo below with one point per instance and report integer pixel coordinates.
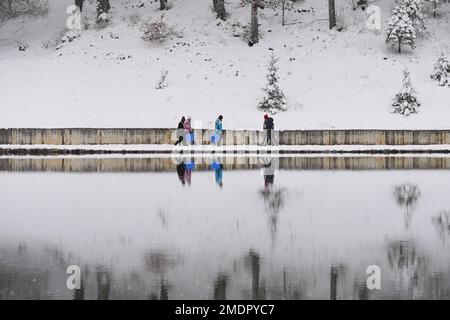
(231, 137)
(241, 163)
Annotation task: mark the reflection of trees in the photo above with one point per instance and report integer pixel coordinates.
(253, 261)
(408, 268)
(220, 287)
(337, 280)
(274, 199)
(361, 292)
(442, 224)
(160, 262)
(103, 283)
(406, 196)
(79, 294)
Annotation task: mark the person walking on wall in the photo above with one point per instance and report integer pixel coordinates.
(268, 126)
(180, 131)
(218, 128)
(188, 130)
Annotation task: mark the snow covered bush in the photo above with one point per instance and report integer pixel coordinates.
(162, 82)
(405, 102)
(274, 99)
(158, 31)
(441, 70)
(400, 29)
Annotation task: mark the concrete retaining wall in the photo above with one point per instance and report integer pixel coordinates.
(244, 163)
(89, 136)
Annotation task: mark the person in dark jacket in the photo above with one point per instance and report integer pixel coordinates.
(181, 171)
(180, 131)
(268, 126)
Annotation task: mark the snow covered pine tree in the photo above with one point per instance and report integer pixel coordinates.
(400, 29)
(405, 102)
(274, 99)
(441, 70)
(414, 8)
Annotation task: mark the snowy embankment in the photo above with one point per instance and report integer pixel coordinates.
(106, 77)
(159, 150)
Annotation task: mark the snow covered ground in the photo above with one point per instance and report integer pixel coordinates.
(106, 77)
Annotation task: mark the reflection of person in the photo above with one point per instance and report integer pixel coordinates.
(188, 172)
(219, 174)
(181, 169)
(269, 175)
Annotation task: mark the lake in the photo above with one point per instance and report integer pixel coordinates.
(225, 227)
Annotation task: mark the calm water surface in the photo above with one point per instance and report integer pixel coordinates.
(298, 228)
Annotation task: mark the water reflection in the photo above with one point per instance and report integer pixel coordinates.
(218, 172)
(220, 286)
(442, 224)
(408, 269)
(135, 238)
(406, 196)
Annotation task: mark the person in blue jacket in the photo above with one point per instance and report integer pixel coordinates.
(218, 128)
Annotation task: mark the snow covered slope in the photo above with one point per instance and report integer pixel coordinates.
(106, 78)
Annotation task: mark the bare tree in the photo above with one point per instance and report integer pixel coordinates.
(79, 4)
(283, 5)
(332, 13)
(219, 8)
(103, 8)
(163, 5)
(254, 32)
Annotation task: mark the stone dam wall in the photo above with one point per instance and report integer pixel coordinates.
(103, 136)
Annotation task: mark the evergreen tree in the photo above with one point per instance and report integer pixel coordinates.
(283, 5)
(274, 99)
(414, 10)
(441, 70)
(405, 102)
(400, 29)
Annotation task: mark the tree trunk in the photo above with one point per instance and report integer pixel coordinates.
(103, 6)
(254, 35)
(332, 13)
(219, 7)
(283, 9)
(162, 4)
(435, 9)
(10, 5)
(399, 46)
(79, 4)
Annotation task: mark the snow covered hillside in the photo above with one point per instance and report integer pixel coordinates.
(107, 77)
